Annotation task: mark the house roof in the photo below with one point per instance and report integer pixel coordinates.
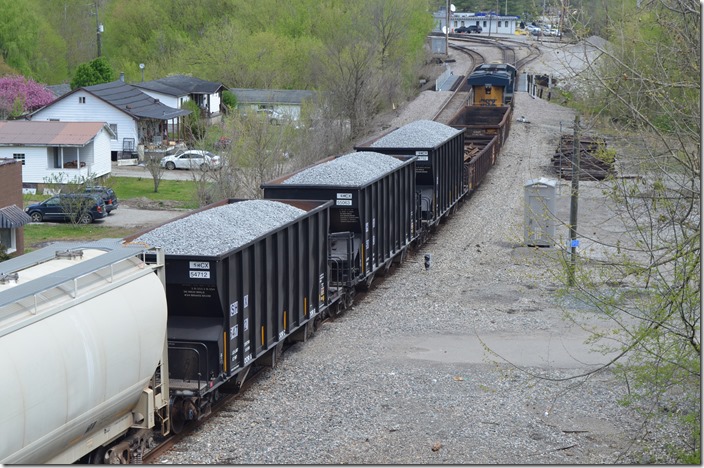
(48, 133)
(181, 85)
(59, 89)
(272, 96)
(13, 217)
(133, 101)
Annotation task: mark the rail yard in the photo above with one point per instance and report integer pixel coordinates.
(437, 360)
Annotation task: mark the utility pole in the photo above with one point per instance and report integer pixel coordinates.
(574, 197)
(98, 26)
(447, 25)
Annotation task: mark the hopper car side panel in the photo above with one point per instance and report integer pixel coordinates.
(439, 174)
(226, 312)
(377, 218)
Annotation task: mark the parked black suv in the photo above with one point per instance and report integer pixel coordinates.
(83, 208)
(474, 28)
(107, 194)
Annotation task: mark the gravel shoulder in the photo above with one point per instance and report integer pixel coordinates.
(446, 365)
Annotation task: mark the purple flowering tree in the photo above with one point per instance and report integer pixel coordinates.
(19, 95)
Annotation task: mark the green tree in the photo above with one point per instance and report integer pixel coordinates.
(28, 43)
(96, 71)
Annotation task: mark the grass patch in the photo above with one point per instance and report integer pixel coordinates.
(181, 193)
(36, 235)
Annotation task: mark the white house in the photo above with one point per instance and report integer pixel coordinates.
(134, 117)
(491, 22)
(174, 90)
(286, 102)
(47, 149)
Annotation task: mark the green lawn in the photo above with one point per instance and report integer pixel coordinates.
(35, 235)
(182, 192)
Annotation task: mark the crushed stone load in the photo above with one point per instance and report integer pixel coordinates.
(418, 134)
(349, 170)
(221, 229)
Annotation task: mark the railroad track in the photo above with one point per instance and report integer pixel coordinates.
(459, 97)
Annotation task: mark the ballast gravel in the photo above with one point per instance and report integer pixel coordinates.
(349, 170)
(222, 228)
(418, 134)
(466, 362)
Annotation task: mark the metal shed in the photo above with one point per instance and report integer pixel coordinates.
(539, 223)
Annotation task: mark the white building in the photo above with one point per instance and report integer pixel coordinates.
(134, 117)
(491, 23)
(175, 90)
(286, 102)
(47, 150)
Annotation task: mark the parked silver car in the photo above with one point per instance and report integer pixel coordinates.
(191, 159)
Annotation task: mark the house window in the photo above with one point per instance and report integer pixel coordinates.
(18, 157)
(81, 99)
(8, 240)
(506, 24)
(113, 127)
(484, 24)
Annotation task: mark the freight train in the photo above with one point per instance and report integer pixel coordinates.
(106, 345)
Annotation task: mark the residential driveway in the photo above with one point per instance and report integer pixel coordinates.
(141, 171)
(139, 219)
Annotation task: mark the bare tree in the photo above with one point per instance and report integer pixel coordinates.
(152, 162)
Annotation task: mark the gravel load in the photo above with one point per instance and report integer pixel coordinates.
(349, 170)
(222, 228)
(418, 134)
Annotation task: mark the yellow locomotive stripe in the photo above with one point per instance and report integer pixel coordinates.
(262, 335)
(224, 351)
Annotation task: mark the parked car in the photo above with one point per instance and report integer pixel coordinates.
(191, 159)
(474, 28)
(108, 195)
(275, 117)
(83, 208)
(462, 30)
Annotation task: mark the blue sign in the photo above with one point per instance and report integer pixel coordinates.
(574, 243)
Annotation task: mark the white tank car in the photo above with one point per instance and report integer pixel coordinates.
(82, 330)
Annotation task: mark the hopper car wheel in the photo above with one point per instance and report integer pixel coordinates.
(348, 298)
(97, 456)
(178, 418)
